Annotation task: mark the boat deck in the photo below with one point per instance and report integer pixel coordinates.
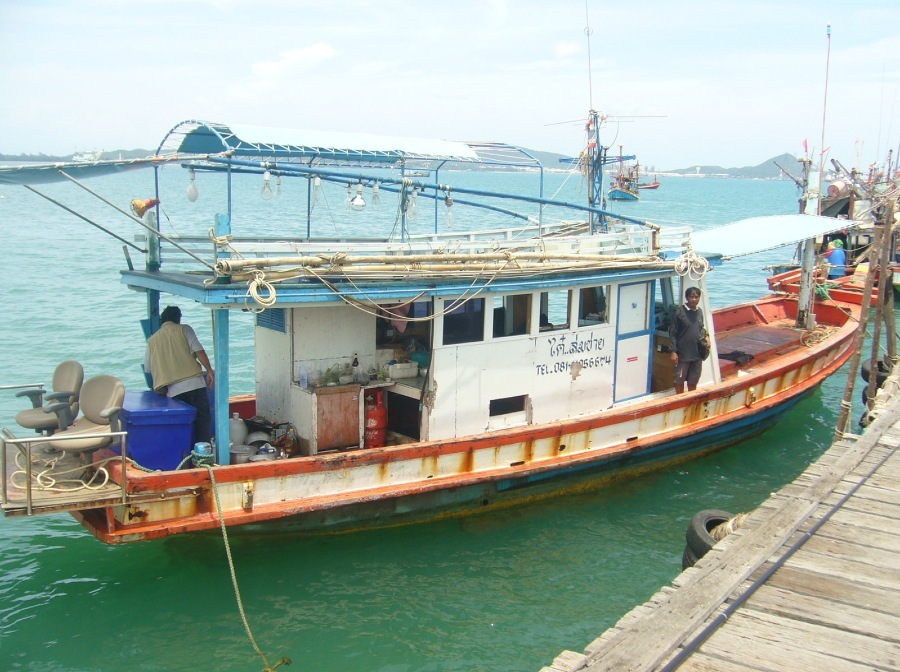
(811, 581)
(760, 341)
(58, 483)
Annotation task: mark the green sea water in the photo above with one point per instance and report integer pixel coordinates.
(504, 591)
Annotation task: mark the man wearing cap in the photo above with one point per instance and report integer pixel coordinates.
(837, 259)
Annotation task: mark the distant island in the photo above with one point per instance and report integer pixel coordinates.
(56, 158)
(767, 170)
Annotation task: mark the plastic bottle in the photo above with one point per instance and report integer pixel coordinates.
(238, 430)
(359, 375)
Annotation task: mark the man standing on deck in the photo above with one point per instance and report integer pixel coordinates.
(685, 332)
(173, 359)
(837, 259)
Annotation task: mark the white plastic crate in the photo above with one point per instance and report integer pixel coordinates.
(404, 370)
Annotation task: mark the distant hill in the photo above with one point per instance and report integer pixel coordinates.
(766, 170)
(54, 158)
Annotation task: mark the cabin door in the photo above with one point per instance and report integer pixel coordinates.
(633, 341)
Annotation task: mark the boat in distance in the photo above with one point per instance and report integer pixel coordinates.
(416, 375)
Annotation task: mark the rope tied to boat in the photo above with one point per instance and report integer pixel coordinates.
(284, 660)
(265, 298)
(221, 241)
(691, 264)
(48, 479)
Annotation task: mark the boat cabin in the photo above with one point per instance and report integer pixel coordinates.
(449, 365)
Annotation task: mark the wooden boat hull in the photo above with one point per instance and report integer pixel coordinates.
(405, 483)
(848, 289)
(618, 194)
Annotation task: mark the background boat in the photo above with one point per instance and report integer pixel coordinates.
(527, 582)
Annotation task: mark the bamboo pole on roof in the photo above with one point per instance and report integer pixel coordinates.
(226, 266)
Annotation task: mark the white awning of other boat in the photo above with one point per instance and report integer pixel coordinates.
(195, 137)
(758, 234)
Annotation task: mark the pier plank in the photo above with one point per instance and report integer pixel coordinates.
(840, 590)
(822, 610)
(771, 642)
(865, 537)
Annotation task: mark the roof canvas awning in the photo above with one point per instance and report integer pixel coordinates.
(324, 147)
(758, 234)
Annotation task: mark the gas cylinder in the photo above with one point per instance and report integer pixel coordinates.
(376, 420)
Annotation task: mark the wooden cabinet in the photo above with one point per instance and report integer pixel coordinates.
(336, 417)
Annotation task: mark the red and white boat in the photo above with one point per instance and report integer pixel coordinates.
(494, 366)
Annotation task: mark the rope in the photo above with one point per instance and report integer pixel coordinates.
(48, 479)
(816, 335)
(237, 591)
(691, 265)
(259, 282)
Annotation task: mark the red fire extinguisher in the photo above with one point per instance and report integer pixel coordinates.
(376, 420)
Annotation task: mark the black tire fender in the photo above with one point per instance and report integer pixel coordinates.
(698, 536)
(866, 371)
(688, 559)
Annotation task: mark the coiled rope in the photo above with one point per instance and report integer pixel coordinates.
(48, 479)
(691, 265)
(237, 591)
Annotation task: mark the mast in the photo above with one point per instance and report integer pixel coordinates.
(596, 157)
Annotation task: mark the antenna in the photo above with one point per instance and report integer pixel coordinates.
(588, 32)
(824, 108)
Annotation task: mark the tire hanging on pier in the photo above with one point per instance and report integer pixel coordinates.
(699, 534)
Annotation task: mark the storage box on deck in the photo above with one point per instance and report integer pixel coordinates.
(160, 430)
(403, 370)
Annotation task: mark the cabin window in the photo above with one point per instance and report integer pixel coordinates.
(401, 322)
(593, 305)
(511, 315)
(555, 309)
(507, 405)
(465, 323)
(664, 305)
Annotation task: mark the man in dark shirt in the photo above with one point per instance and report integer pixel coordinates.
(685, 331)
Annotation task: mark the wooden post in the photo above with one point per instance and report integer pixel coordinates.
(857, 346)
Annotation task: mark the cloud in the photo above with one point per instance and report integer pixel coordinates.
(293, 60)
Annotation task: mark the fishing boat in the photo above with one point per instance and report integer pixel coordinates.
(415, 375)
(649, 185)
(846, 289)
(624, 184)
(860, 204)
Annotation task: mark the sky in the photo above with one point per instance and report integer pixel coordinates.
(683, 82)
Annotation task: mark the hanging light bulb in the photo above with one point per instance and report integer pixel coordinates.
(349, 195)
(358, 202)
(448, 201)
(317, 190)
(412, 210)
(192, 193)
(376, 195)
(266, 191)
(277, 186)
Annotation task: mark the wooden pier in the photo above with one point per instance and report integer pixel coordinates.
(811, 581)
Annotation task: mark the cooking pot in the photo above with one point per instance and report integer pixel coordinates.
(241, 454)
